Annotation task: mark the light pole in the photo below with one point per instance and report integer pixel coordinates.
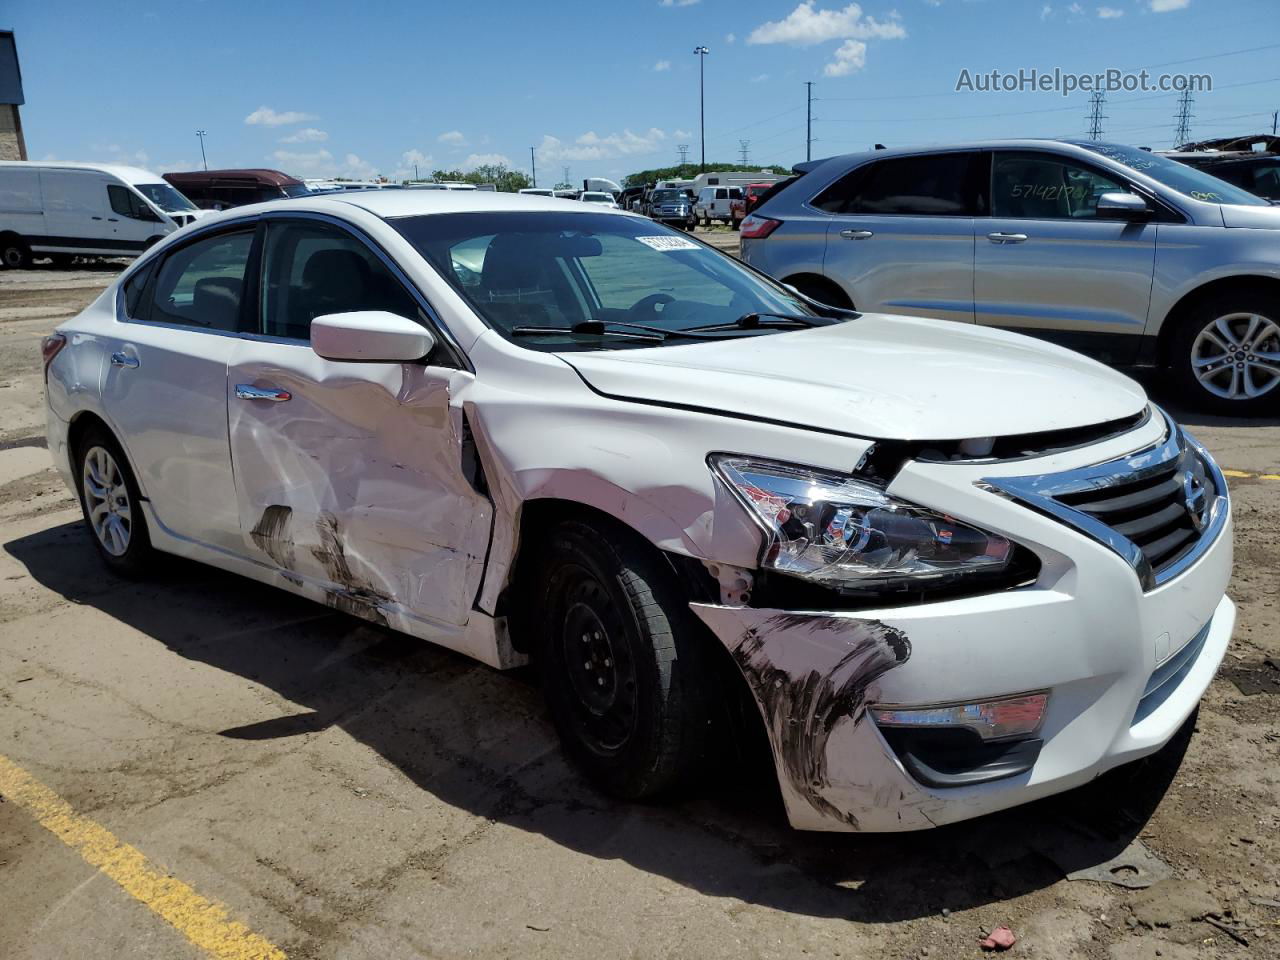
(533, 165)
(701, 54)
(201, 135)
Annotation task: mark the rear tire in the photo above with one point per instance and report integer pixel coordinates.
(112, 505)
(622, 668)
(1225, 354)
(14, 254)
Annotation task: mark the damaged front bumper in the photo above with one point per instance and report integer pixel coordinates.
(1123, 670)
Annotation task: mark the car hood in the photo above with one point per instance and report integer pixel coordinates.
(1234, 215)
(877, 376)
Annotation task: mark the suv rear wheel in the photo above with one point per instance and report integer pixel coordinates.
(620, 661)
(1226, 354)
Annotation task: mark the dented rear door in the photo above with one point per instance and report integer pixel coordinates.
(349, 476)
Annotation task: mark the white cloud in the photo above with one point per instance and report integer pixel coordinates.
(321, 163)
(1046, 12)
(1164, 6)
(677, 3)
(114, 153)
(266, 117)
(485, 159)
(804, 26)
(1110, 13)
(760, 78)
(682, 134)
(407, 161)
(592, 146)
(1075, 10)
(306, 135)
(453, 138)
(934, 3)
(850, 57)
(730, 38)
(662, 65)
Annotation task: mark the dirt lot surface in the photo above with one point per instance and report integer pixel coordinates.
(344, 792)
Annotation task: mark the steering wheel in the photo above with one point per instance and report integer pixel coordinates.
(647, 304)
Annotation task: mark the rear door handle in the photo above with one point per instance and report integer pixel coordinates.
(247, 391)
(95, 218)
(123, 360)
(856, 234)
(1007, 237)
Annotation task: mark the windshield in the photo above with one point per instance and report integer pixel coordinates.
(1196, 184)
(296, 190)
(556, 270)
(597, 198)
(667, 196)
(165, 197)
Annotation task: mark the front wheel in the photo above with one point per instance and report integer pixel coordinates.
(1226, 355)
(620, 661)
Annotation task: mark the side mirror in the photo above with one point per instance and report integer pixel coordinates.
(372, 336)
(1122, 206)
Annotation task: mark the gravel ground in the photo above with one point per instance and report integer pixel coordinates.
(349, 793)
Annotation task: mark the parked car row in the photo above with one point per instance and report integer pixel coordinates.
(940, 569)
(1126, 255)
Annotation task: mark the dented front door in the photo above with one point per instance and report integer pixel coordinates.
(349, 478)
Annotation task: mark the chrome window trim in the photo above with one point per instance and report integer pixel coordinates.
(1039, 492)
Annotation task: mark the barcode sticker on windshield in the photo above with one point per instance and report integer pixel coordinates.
(668, 243)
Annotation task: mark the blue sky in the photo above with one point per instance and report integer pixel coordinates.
(604, 87)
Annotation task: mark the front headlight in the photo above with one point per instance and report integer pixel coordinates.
(849, 533)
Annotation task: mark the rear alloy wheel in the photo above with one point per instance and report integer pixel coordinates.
(620, 661)
(111, 505)
(14, 254)
(1231, 358)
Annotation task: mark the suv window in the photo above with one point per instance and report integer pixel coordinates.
(312, 269)
(1040, 186)
(128, 204)
(202, 284)
(722, 194)
(930, 185)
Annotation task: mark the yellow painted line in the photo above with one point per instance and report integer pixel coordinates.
(1242, 475)
(204, 922)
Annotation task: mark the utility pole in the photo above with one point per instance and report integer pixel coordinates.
(533, 165)
(701, 54)
(808, 120)
(415, 171)
(744, 150)
(566, 174)
(1275, 116)
(684, 153)
(1096, 116)
(1182, 134)
(201, 134)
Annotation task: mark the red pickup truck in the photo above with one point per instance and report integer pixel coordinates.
(752, 192)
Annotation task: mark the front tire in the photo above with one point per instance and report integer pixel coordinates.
(1226, 354)
(621, 666)
(112, 505)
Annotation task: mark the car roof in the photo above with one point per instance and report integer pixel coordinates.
(390, 204)
(125, 173)
(255, 174)
(1029, 143)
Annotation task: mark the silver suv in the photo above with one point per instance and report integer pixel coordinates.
(1111, 250)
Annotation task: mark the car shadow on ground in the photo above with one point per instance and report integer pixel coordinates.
(1162, 392)
(479, 740)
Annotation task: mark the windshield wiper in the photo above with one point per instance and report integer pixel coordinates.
(756, 321)
(608, 328)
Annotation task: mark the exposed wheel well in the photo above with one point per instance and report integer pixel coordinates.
(820, 288)
(1216, 288)
(7, 235)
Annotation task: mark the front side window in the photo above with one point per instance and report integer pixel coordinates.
(927, 185)
(128, 204)
(1196, 184)
(311, 269)
(1041, 186)
(536, 276)
(201, 285)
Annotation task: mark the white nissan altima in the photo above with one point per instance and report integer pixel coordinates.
(954, 569)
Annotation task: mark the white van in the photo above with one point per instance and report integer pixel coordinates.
(715, 203)
(63, 210)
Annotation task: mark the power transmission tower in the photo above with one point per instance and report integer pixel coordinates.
(744, 150)
(1096, 116)
(1182, 134)
(684, 153)
(566, 175)
(808, 120)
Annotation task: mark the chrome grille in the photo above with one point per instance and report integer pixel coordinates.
(1158, 508)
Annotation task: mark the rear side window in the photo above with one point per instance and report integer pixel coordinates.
(134, 288)
(201, 285)
(930, 185)
(722, 194)
(312, 269)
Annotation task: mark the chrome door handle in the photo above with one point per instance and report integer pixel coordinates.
(247, 391)
(856, 234)
(123, 360)
(1007, 237)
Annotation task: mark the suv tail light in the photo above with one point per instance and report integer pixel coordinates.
(757, 228)
(50, 347)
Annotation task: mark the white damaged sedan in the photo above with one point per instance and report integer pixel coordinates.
(953, 568)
